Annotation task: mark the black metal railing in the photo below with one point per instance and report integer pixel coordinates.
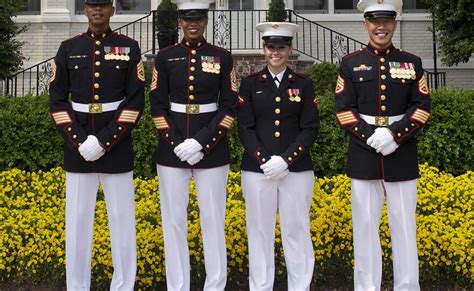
(230, 29)
(35, 79)
(436, 79)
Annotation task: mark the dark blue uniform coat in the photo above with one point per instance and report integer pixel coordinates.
(83, 73)
(281, 121)
(382, 83)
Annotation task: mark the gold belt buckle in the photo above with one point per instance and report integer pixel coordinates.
(192, 108)
(95, 107)
(381, 120)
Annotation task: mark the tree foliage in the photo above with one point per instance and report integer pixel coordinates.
(11, 58)
(276, 11)
(455, 31)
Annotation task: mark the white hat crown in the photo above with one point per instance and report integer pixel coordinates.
(192, 4)
(379, 5)
(286, 29)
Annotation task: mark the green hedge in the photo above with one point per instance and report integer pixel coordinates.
(28, 139)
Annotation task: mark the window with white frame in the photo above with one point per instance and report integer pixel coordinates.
(415, 6)
(345, 6)
(320, 6)
(122, 6)
(33, 7)
(241, 4)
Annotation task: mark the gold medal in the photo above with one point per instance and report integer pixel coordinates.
(107, 57)
(298, 99)
(217, 66)
(204, 65)
(292, 99)
(127, 58)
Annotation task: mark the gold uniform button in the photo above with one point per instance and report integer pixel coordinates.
(97, 42)
(192, 69)
(363, 136)
(193, 52)
(406, 129)
(119, 128)
(96, 85)
(277, 134)
(382, 68)
(117, 67)
(399, 134)
(277, 122)
(191, 97)
(208, 146)
(383, 87)
(191, 88)
(263, 160)
(167, 135)
(191, 78)
(97, 74)
(361, 79)
(356, 128)
(193, 61)
(258, 153)
(107, 143)
(115, 136)
(277, 111)
(277, 99)
(383, 108)
(76, 67)
(213, 139)
(220, 132)
(295, 154)
(97, 53)
(69, 129)
(97, 63)
(403, 81)
(382, 97)
(74, 136)
(383, 77)
(300, 148)
(172, 143)
(96, 97)
(382, 60)
(412, 124)
(290, 159)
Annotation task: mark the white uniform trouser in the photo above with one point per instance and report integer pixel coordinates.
(174, 199)
(291, 196)
(81, 194)
(367, 203)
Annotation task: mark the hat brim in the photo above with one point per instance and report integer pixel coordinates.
(380, 14)
(277, 39)
(193, 13)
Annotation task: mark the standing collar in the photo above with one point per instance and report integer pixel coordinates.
(378, 52)
(99, 36)
(193, 45)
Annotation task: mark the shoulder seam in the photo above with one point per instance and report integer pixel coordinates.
(74, 37)
(354, 53)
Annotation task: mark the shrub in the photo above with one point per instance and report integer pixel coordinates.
(276, 11)
(29, 141)
(324, 76)
(32, 230)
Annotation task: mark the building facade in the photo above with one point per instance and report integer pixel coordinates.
(51, 21)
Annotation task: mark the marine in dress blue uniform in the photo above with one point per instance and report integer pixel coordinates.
(193, 104)
(278, 123)
(382, 101)
(96, 99)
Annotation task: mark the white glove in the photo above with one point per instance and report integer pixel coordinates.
(388, 149)
(381, 138)
(187, 148)
(275, 166)
(90, 149)
(196, 158)
(279, 176)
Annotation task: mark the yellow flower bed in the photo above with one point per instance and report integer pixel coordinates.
(32, 229)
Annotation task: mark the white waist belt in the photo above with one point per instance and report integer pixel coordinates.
(193, 108)
(381, 120)
(96, 107)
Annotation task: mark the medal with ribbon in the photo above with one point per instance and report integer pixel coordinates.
(293, 95)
